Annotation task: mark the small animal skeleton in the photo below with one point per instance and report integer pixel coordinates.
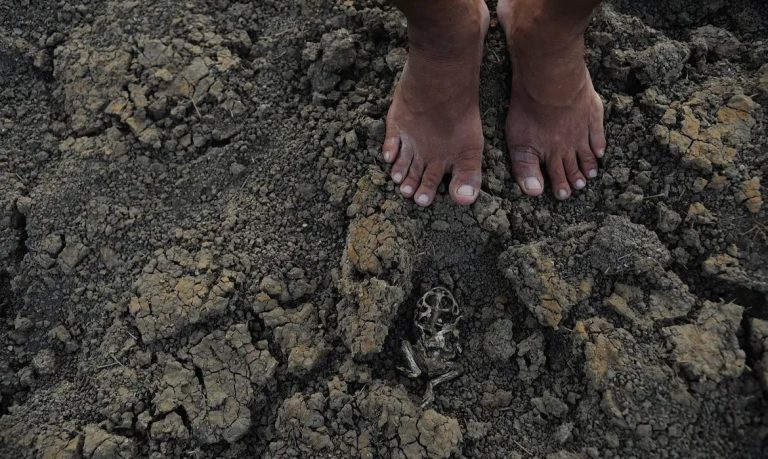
(437, 344)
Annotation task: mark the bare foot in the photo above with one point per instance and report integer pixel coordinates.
(555, 116)
(433, 124)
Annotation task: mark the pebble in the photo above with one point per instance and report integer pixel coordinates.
(44, 362)
(22, 324)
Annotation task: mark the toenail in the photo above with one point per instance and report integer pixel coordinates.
(398, 177)
(387, 156)
(562, 194)
(423, 199)
(580, 184)
(600, 152)
(466, 190)
(407, 189)
(532, 184)
(592, 173)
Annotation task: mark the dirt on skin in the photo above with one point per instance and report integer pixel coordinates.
(201, 254)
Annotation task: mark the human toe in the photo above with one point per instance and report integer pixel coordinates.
(390, 149)
(597, 140)
(412, 180)
(557, 177)
(575, 178)
(430, 180)
(526, 168)
(402, 165)
(466, 179)
(587, 162)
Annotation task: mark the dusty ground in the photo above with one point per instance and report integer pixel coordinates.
(200, 254)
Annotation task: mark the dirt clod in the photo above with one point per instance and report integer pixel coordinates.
(202, 253)
(215, 391)
(709, 349)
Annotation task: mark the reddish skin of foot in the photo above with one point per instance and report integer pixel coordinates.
(433, 124)
(555, 117)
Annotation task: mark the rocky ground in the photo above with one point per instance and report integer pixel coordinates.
(201, 254)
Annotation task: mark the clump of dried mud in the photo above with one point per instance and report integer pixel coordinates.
(201, 254)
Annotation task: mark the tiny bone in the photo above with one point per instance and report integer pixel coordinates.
(413, 370)
(429, 395)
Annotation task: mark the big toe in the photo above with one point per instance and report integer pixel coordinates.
(467, 178)
(526, 168)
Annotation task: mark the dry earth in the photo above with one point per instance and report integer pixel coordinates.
(201, 255)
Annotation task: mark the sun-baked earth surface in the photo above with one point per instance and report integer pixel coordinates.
(201, 254)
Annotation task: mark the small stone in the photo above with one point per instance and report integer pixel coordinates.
(550, 405)
(71, 256)
(236, 169)
(52, 244)
(669, 220)
(171, 427)
(592, 452)
(24, 205)
(351, 141)
(620, 307)
(497, 399)
(498, 343)
(299, 288)
(631, 199)
(26, 376)
(109, 257)
(311, 51)
(564, 433)
(158, 108)
(644, 430)
(195, 71)
(477, 430)
(621, 104)
(337, 187)
(126, 421)
(699, 214)
(164, 75)
(719, 182)
(61, 334)
(45, 261)
(272, 286)
(376, 130)
(143, 421)
(612, 440)
(263, 303)
(22, 324)
(44, 362)
(296, 273)
(699, 184)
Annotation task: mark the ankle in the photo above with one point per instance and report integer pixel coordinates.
(546, 46)
(449, 30)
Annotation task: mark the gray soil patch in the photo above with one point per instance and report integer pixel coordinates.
(201, 254)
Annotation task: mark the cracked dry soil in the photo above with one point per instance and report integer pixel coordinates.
(201, 254)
